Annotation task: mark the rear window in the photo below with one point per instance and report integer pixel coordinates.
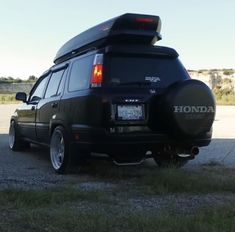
(80, 73)
(152, 71)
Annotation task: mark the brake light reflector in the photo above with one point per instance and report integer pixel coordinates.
(144, 20)
(97, 75)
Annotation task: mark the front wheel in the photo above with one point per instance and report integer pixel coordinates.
(14, 140)
(59, 150)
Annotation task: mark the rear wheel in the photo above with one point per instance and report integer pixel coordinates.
(59, 150)
(14, 140)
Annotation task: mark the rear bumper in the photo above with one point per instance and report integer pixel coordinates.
(101, 141)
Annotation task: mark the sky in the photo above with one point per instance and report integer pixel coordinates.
(32, 31)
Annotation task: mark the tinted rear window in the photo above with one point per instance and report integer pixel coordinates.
(80, 73)
(157, 71)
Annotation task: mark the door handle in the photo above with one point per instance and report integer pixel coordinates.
(54, 104)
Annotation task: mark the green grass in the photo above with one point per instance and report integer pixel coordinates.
(186, 181)
(224, 98)
(6, 98)
(70, 208)
(20, 198)
(216, 218)
(210, 178)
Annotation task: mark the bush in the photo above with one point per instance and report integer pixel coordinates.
(7, 98)
(224, 96)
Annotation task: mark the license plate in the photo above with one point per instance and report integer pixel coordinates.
(130, 112)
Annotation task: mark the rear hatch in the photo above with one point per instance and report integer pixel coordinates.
(134, 77)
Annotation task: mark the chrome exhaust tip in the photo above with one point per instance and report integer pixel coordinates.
(194, 150)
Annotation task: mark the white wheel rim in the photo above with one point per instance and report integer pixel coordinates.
(11, 135)
(57, 150)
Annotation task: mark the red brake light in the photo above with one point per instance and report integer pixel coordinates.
(97, 75)
(144, 20)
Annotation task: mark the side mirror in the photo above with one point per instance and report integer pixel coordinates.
(21, 96)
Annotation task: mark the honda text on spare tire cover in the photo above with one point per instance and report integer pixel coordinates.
(112, 93)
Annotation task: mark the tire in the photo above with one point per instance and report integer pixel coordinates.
(186, 109)
(15, 143)
(59, 150)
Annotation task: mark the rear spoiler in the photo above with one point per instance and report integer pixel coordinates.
(127, 28)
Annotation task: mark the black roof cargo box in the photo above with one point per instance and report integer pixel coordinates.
(127, 28)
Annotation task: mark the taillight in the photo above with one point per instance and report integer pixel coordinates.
(97, 75)
(97, 72)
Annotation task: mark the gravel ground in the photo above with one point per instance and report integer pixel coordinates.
(185, 204)
(31, 169)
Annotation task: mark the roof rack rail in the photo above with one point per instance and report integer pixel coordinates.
(127, 28)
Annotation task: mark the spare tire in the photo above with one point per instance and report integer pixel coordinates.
(188, 108)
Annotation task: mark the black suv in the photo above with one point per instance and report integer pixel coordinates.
(113, 93)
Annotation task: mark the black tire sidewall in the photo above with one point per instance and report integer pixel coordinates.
(190, 93)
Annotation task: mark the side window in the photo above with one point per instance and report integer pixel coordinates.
(53, 86)
(38, 92)
(62, 82)
(80, 74)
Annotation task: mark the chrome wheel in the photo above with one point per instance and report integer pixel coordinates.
(12, 134)
(14, 139)
(57, 149)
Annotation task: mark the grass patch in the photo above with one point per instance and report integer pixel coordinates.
(70, 208)
(152, 180)
(225, 98)
(217, 218)
(185, 181)
(20, 198)
(7, 98)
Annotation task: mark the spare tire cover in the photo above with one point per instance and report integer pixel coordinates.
(189, 108)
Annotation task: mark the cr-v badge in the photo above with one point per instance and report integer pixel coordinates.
(152, 79)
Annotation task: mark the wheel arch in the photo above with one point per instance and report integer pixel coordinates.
(56, 123)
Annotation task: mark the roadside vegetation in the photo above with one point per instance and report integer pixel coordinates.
(6, 98)
(224, 97)
(216, 218)
(223, 88)
(74, 208)
(11, 80)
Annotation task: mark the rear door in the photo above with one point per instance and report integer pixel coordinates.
(48, 107)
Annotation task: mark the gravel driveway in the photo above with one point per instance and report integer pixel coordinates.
(31, 168)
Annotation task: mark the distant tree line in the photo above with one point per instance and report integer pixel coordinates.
(226, 72)
(31, 78)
